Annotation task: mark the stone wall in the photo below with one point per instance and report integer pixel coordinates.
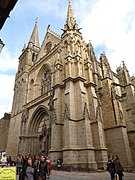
(4, 127)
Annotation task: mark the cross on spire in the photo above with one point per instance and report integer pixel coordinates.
(36, 20)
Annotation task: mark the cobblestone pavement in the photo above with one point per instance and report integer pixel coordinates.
(63, 175)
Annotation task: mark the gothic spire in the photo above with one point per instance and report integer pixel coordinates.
(34, 36)
(70, 22)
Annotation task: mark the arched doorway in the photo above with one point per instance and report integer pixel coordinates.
(39, 133)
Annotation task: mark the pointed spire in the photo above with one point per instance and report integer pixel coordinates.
(90, 47)
(70, 22)
(90, 51)
(103, 56)
(70, 15)
(124, 66)
(105, 66)
(34, 37)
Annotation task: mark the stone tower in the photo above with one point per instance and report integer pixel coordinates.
(68, 105)
(26, 60)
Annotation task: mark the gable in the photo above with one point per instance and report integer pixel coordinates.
(50, 41)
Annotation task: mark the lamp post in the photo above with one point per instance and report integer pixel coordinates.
(1, 45)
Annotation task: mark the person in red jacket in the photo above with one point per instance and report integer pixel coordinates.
(49, 165)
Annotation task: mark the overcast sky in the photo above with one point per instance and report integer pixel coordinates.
(109, 24)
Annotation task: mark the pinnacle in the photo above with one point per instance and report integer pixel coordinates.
(34, 37)
(71, 21)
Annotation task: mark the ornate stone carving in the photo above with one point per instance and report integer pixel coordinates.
(46, 81)
(86, 112)
(116, 104)
(24, 115)
(66, 113)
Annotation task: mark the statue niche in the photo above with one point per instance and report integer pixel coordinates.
(46, 82)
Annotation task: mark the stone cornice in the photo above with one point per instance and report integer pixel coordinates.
(90, 84)
(76, 148)
(114, 127)
(74, 79)
(38, 100)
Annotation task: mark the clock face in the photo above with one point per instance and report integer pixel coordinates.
(48, 46)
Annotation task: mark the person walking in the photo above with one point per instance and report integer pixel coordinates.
(49, 165)
(29, 172)
(19, 164)
(118, 167)
(9, 161)
(43, 168)
(111, 166)
(36, 161)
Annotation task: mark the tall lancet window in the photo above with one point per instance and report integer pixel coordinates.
(46, 81)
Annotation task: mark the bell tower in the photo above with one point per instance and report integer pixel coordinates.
(26, 60)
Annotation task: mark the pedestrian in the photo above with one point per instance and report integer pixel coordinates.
(118, 167)
(19, 164)
(9, 161)
(111, 166)
(43, 168)
(29, 172)
(24, 160)
(59, 164)
(49, 165)
(36, 161)
(4, 160)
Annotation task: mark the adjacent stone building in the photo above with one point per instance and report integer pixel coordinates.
(70, 105)
(4, 127)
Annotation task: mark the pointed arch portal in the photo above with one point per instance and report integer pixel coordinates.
(39, 132)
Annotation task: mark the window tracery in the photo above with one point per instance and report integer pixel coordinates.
(48, 47)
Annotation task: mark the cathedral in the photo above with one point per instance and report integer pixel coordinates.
(69, 105)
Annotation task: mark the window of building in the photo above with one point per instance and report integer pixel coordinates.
(48, 47)
(46, 81)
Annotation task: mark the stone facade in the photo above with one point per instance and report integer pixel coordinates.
(4, 127)
(69, 105)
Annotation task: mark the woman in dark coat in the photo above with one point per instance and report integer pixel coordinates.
(43, 168)
(29, 171)
(111, 166)
(118, 167)
(9, 161)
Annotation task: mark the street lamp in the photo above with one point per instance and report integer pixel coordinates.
(1, 45)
